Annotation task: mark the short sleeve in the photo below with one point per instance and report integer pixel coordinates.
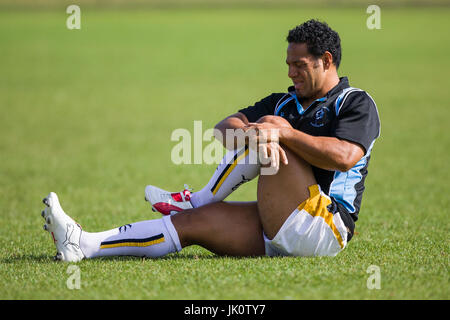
(358, 120)
(260, 109)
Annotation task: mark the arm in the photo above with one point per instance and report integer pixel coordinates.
(241, 119)
(357, 127)
(328, 153)
(235, 121)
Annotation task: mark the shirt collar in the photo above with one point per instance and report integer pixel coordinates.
(343, 83)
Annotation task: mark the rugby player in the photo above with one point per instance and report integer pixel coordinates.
(324, 134)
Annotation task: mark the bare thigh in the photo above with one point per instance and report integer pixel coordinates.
(280, 194)
(225, 228)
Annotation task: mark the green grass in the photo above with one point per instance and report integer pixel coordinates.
(89, 113)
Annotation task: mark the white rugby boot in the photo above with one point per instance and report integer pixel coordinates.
(168, 203)
(65, 231)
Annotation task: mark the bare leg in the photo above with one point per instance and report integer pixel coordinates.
(224, 228)
(280, 194)
(236, 228)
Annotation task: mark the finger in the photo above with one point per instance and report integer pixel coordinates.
(265, 151)
(278, 156)
(274, 156)
(283, 156)
(276, 160)
(250, 125)
(263, 154)
(254, 131)
(252, 142)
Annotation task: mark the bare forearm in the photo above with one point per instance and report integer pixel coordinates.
(328, 153)
(233, 122)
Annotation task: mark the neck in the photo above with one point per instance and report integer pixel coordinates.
(329, 83)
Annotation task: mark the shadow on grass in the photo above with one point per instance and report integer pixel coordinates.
(28, 257)
(43, 258)
(187, 256)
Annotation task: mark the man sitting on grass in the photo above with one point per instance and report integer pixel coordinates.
(321, 136)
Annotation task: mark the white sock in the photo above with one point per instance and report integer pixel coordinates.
(151, 238)
(236, 168)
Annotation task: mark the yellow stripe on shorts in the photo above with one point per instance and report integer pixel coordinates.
(316, 205)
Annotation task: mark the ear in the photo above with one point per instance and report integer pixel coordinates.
(327, 59)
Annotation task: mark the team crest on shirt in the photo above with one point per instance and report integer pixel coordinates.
(320, 117)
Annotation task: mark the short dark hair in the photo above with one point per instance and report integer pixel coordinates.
(319, 37)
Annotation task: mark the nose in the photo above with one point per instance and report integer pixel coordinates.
(292, 73)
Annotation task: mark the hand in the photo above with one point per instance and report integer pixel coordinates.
(264, 137)
(257, 133)
(270, 154)
(264, 131)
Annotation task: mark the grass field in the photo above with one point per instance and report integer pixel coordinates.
(89, 113)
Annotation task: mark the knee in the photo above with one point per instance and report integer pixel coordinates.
(277, 120)
(190, 224)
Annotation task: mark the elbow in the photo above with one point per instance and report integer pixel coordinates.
(344, 167)
(344, 164)
(224, 124)
(348, 157)
(219, 125)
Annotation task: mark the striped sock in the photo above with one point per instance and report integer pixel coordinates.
(236, 168)
(151, 238)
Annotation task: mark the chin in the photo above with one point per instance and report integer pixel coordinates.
(301, 94)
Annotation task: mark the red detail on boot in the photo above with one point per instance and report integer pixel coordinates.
(177, 197)
(187, 195)
(53, 236)
(166, 208)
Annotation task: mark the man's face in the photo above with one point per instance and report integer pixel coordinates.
(305, 70)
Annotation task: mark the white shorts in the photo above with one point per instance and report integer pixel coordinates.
(311, 230)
